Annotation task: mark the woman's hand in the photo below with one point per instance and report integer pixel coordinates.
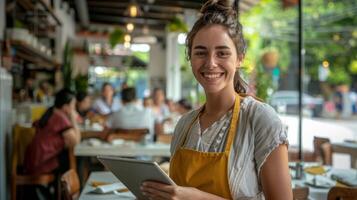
(159, 191)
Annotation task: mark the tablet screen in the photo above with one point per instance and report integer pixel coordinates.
(132, 172)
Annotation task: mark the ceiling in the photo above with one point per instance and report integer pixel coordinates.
(154, 13)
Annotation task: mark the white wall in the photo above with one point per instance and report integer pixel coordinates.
(157, 66)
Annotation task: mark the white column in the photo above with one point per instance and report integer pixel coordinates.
(173, 73)
(156, 68)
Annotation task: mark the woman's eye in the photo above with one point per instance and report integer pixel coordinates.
(200, 53)
(223, 54)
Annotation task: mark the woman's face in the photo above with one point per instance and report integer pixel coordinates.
(69, 108)
(108, 92)
(214, 59)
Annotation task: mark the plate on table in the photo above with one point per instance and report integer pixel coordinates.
(319, 181)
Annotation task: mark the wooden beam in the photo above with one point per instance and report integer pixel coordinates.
(124, 20)
(121, 13)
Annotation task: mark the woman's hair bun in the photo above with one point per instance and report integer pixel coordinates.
(222, 6)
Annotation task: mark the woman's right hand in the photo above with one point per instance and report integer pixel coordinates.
(160, 191)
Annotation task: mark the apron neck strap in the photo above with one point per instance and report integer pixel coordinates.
(234, 123)
(232, 129)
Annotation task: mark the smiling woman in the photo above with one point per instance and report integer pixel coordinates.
(234, 137)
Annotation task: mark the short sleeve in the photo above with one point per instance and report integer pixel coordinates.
(60, 123)
(269, 133)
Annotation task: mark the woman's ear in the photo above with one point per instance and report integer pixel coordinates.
(240, 60)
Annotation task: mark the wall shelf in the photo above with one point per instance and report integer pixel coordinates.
(33, 55)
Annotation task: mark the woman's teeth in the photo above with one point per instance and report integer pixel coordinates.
(212, 75)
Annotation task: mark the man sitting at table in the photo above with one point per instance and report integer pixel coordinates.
(131, 115)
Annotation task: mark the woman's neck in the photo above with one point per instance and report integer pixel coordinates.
(219, 103)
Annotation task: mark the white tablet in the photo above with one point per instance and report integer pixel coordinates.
(132, 172)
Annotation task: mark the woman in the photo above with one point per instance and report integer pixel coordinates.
(83, 106)
(234, 147)
(56, 131)
(107, 103)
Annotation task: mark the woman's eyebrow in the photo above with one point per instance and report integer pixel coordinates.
(222, 47)
(200, 47)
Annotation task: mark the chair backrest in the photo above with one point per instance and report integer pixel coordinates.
(22, 137)
(326, 151)
(128, 134)
(70, 185)
(342, 193)
(301, 193)
(318, 141)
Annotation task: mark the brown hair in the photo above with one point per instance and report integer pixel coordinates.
(221, 12)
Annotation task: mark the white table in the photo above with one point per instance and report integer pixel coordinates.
(126, 149)
(317, 193)
(108, 177)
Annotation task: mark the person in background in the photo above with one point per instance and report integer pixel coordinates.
(160, 109)
(233, 147)
(44, 92)
(83, 106)
(107, 103)
(30, 89)
(183, 106)
(147, 102)
(131, 115)
(56, 131)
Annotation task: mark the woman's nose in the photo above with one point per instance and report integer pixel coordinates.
(211, 61)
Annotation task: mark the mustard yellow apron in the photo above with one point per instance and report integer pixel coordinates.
(206, 171)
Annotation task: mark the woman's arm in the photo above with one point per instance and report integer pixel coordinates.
(72, 136)
(275, 176)
(159, 191)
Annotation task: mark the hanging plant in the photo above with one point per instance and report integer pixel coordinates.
(177, 25)
(116, 37)
(67, 67)
(270, 58)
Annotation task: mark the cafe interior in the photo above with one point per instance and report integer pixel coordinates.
(112, 79)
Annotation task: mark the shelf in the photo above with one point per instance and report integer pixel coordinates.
(50, 10)
(33, 55)
(28, 5)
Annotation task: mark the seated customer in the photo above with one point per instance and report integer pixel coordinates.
(131, 115)
(83, 106)
(107, 103)
(55, 132)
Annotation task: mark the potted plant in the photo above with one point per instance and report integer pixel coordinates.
(177, 25)
(116, 37)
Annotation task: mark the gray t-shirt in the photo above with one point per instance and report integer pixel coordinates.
(259, 132)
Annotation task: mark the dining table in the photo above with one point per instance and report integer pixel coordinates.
(316, 192)
(103, 177)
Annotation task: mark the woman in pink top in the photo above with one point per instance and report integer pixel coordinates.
(55, 132)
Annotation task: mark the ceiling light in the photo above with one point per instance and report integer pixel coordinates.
(133, 10)
(127, 44)
(130, 27)
(127, 38)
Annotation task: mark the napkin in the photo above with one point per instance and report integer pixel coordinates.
(346, 179)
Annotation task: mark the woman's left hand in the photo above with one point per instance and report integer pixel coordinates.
(160, 191)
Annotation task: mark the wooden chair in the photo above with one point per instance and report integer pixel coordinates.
(326, 151)
(70, 185)
(136, 135)
(301, 193)
(22, 137)
(342, 193)
(164, 138)
(318, 141)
